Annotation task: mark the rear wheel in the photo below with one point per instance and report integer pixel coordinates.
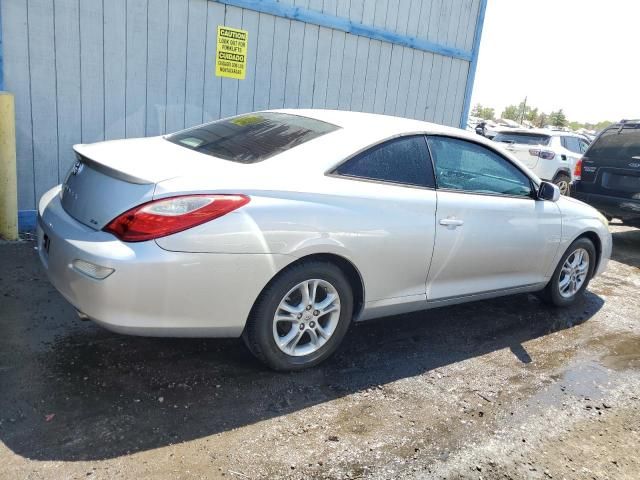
(572, 274)
(301, 317)
(563, 181)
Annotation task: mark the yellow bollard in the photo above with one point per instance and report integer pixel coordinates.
(8, 180)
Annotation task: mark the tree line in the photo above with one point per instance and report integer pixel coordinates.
(521, 112)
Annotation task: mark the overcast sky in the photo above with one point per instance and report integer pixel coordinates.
(580, 55)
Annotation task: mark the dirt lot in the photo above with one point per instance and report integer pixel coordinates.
(506, 388)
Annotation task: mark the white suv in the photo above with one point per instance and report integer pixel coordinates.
(551, 154)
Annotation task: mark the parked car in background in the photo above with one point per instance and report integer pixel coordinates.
(551, 154)
(587, 138)
(284, 227)
(507, 123)
(610, 173)
(472, 122)
(590, 135)
(492, 129)
(486, 128)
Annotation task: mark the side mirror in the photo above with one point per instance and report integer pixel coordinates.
(549, 191)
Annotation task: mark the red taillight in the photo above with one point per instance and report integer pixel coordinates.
(160, 218)
(577, 171)
(544, 154)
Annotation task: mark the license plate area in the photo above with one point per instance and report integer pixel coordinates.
(621, 182)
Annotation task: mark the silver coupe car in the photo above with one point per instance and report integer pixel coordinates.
(286, 226)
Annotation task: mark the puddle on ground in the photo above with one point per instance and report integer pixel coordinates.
(623, 355)
(589, 377)
(586, 379)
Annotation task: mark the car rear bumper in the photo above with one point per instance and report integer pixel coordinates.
(626, 209)
(151, 291)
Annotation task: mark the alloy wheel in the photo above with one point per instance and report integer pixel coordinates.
(574, 273)
(306, 317)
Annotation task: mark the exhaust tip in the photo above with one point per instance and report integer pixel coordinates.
(83, 316)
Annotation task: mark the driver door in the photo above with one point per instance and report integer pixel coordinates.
(492, 235)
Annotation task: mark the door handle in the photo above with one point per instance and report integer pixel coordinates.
(451, 223)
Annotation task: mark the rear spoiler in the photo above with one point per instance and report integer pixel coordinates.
(111, 172)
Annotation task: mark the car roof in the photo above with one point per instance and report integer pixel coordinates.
(381, 124)
(625, 123)
(542, 131)
(361, 130)
(373, 127)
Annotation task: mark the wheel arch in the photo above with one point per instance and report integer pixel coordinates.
(347, 267)
(563, 171)
(597, 243)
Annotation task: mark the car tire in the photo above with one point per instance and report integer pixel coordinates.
(563, 181)
(269, 325)
(557, 292)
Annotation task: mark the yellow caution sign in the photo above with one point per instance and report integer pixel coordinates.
(231, 52)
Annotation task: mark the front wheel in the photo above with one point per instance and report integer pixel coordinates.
(572, 274)
(301, 317)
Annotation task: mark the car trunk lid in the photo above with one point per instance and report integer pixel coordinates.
(94, 195)
(109, 178)
(525, 153)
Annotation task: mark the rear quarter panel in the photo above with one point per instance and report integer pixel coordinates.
(385, 230)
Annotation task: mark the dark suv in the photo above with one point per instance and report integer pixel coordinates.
(610, 177)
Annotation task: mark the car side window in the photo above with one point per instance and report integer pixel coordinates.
(469, 167)
(583, 145)
(571, 144)
(563, 141)
(402, 160)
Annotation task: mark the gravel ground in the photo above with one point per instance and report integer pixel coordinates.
(506, 388)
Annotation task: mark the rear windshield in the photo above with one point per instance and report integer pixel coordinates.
(522, 138)
(614, 146)
(251, 138)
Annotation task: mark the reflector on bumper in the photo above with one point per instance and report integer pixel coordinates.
(94, 271)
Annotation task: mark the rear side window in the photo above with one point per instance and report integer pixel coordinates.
(615, 147)
(251, 138)
(402, 160)
(572, 144)
(522, 138)
(583, 145)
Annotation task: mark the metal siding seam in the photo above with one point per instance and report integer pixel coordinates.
(272, 7)
(55, 82)
(474, 63)
(1, 56)
(33, 148)
(186, 63)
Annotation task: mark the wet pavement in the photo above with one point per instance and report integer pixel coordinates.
(506, 388)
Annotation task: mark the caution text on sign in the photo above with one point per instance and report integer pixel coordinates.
(231, 52)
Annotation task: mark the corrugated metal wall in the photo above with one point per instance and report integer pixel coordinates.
(90, 70)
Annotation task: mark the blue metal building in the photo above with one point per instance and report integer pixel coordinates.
(90, 70)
